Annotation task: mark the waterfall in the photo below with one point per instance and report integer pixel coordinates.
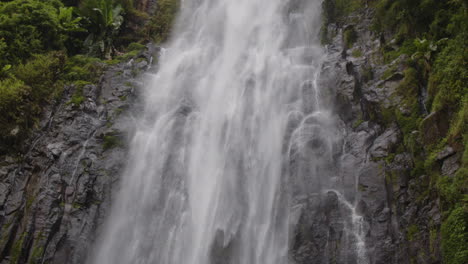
(234, 133)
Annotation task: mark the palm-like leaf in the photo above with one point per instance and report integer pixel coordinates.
(105, 19)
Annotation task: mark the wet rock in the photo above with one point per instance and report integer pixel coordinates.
(435, 126)
(55, 149)
(385, 143)
(58, 191)
(446, 152)
(451, 165)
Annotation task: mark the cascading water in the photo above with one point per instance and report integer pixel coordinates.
(233, 134)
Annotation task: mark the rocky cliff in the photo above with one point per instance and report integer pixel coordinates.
(400, 206)
(53, 197)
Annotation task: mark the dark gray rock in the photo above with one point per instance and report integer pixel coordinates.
(55, 195)
(451, 165)
(446, 152)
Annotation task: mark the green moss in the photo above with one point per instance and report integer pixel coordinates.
(454, 232)
(411, 232)
(113, 62)
(449, 78)
(367, 74)
(349, 37)
(140, 60)
(17, 248)
(136, 46)
(77, 98)
(81, 83)
(111, 141)
(81, 67)
(433, 238)
(127, 56)
(362, 188)
(336, 11)
(357, 53)
(458, 132)
(432, 156)
(390, 53)
(452, 190)
(358, 123)
(389, 72)
(36, 255)
(30, 201)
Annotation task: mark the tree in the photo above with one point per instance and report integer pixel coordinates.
(30, 27)
(104, 19)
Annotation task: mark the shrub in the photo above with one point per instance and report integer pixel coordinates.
(159, 27)
(335, 10)
(42, 73)
(81, 67)
(349, 37)
(135, 46)
(12, 93)
(23, 94)
(104, 19)
(30, 27)
(449, 78)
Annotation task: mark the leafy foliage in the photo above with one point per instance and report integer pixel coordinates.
(449, 78)
(335, 10)
(104, 19)
(81, 67)
(36, 35)
(30, 27)
(23, 94)
(433, 35)
(160, 24)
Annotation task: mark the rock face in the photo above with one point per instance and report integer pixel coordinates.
(53, 197)
(400, 221)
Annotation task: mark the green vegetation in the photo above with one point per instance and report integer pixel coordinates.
(349, 37)
(411, 232)
(449, 77)
(81, 67)
(29, 27)
(17, 247)
(432, 36)
(36, 255)
(103, 21)
(77, 97)
(334, 11)
(367, 73)
(23, 93)
(356, 53)
(159, 27)
(46, 44)
(111, 141)
(455, 236)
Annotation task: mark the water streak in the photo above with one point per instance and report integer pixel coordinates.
(208, 179)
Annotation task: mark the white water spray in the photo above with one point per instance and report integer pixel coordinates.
(206, 181)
